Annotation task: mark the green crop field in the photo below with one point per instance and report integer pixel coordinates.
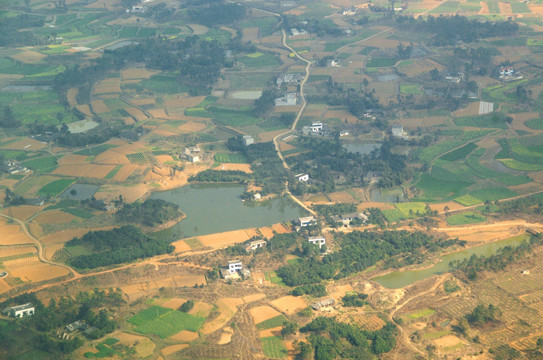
(230, 158)
(495, 120)
(517, 165)
(460, 153)
(536, 124)
(160, 84)
(381, 62)
(240, 81)
(519, 8)
(274, 348)
(393, 215)
(95, 150)
(411, 209)
(164, 322)
(468, 217)
(418, 314)
(264, 60)
(429, 153)
(55, 187)
(113, 172)
(468, 200)
(434, 187)
(447, 7)
(409, 89)
(492, 194)
(84, 214)
(523, 154)
(266, 26)
(474, 134)
(241, 117)
(279, 320)
(360, 35)
(42, 165)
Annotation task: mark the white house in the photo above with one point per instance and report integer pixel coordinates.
(306, 221)
(257, 196)
(253, 245)
(507, 71)
(317, 240)
(397, 131)
(20, 311)
(248, 140)
(316, 126)
(302, 177)
(346, 219)
(234, 266)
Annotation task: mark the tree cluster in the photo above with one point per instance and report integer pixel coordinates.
(334, 340)
(220, 176)
(217, 13)
(483, 314)
(110, 247)
(151, 212)
(354, 300)
(334, 209)
(317, 290)
(12, 33)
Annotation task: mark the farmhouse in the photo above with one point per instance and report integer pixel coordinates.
(506, 70)
(297, 32)
(20, 311)
(77, 325)
(233, 271)
(344, 133)
(192, 154)
(397, 131)
(39, 201)
(288, 99)
(316, 127)
(257, 196)
(257, 244)
(317, 241)
(234, 266)
(454, 78)
(248, 140)
(302, 177)
(323, 303)
(306, 221)
(346, 219)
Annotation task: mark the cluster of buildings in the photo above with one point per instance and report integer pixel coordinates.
(289, 99)
(235, 271)
(192, 154)
(509, 73)
(14, 167)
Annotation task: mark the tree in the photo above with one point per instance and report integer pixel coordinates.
(434, 74)
(289, 328)
(265, 103)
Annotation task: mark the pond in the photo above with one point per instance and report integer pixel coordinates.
(82, 126)
(399, 279)
(214, 208)
(79, 192)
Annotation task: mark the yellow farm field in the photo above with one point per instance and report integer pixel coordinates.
(129, 193)
(269, 135)
(112, 156)
(84, 109)
(505, 8)
(184, 336)
(125, 172)
(226, 307)
(98, 106)
(262, 313)
(342, 197)
(31, 269)
(71, 95)
(4, 286)
(108, 86)
(289, 304)
(201, 309)
(19, 250)
(168, 350)
(341, 114)
(276, 331)
(173, 303)
(159, 114)
(143, 101)
(87, 170)
(22, 212)
(54, 217)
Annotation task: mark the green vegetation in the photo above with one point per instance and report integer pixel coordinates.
(186, 306)
(164, 322)
(409, 89)
(273, 347)
(220, 176)
(520, 166)
(276, 321)
(230, 158)
(493, 120)
(419, 314)
(151, 212)
(354, 300)
(113, 172)
(318, 290)
(412, 209)
(460, 153)
(381, 62)
(42, 165)
(56, 187)
(492, 194)
(468, 200)
(335, 209)
(260, 60)
(116, 246)
(467, 217)
(474, 134)
(536, 124)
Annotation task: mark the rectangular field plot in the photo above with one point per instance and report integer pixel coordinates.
(273, 347)
(468, 217)
(467, 200)
(164, 322)
(492, 194)
(494, 120)
(271, 323)
(460, 153)
(55, 187)
(412, 209)
(230, 158)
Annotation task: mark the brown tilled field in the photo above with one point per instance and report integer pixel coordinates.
(136, 113)
(262, 313)
(22, 212)
(289, 304)
(25, 144)
(250, 34)
(232, 166)
(85, 110)
(158, 114)
(168, 350)
(29, 57)
(54, 217)
(98, 106)
(108, 86)
(342, 197)
(31, 269)
(4, 286)
(226, 312)
(125, 172)
(136, 73)
(88, 170)
(184, 336)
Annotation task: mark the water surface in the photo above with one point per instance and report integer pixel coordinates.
(213, 208)
(399, 279)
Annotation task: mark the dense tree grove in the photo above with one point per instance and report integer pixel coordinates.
(327, 159)
(151, 212)
(220, 176)
(354, 300)
(449, 30)
(217, 14)
(317, 290)
(483, 314)
(37, 331)
(110, 247)
(333, 340)
(97, 135)
(265, 103)
(12, 33)
(360, 250)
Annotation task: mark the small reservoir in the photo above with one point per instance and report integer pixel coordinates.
(399, 279)
(215, 208)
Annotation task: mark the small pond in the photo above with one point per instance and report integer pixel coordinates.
(79, 192)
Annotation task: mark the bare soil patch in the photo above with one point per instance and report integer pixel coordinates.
(505, 8)
(173, 348)
(108, 86)
(22, 212)
(448, 340)
(266, 136)
(85, 110)
(26, 144)
(224, 239)
(54, 217)
(231, 166)
(254, 297)
(136, 113)
(250, 34)
(136, 73)
(452, 205)
(31, 269)
(89, 170)
(201, 309)
(158, 114)
(339, 291)
(289, 304)
(4, 286)
(99, 107)
(174, 303)
(226, 336)
(342, 197)
(184, 336)
(484, 8)
(125, 172)
(262, 313)
(226, 308)
(276, 331)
